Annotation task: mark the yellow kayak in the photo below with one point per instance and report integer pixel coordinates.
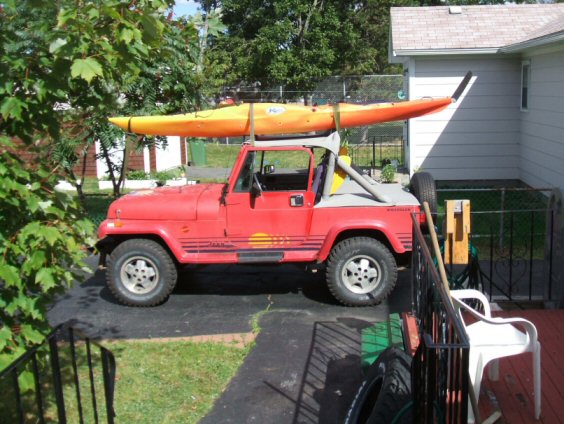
(276, 118)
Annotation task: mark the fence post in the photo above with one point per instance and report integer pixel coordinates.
(374, 152)
(554, 250)
(109, 376)
(57, 382)
(501, 219)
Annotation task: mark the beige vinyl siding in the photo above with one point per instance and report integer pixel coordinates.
(476, 138)
(542, 125)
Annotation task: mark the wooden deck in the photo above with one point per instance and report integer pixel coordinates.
(513, 393)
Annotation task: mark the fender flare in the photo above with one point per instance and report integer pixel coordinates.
(334, 232)
(139, 230)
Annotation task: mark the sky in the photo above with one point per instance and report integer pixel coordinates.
(185, 7)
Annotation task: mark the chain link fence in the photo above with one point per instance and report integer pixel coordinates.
(371, 146)
(502, 210)
(509, 234)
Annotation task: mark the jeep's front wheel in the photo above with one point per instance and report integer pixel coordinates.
(141, 273)
(361, 271)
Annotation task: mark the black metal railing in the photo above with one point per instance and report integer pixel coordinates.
(512, 253)
(62, 380)
(440, 365)
(378, 151)
(512, 239)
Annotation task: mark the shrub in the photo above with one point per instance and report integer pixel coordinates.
(42, 237)
(138, 175)
(388, 174)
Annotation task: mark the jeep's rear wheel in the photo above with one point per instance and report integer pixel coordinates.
(141, 273)
(361, 271)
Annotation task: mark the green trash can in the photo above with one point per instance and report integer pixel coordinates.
(198, 153)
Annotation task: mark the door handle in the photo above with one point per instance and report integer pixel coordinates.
(297, 200)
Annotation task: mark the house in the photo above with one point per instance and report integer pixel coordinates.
(509, 123)
(149, 159)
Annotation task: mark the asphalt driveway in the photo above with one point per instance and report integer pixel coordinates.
(305, 366)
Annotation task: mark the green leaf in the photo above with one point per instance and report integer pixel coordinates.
(5, 336)
(26, 382)
(65, 15)
(12, 107)
(56, 45)
(10, 275)
(36, 261)
(93, 14)
(45, 204)
(51, 234)
(33, 204)
(44, 277)
(31, 334)
(86, 69)
(152, 27)
(128, 34)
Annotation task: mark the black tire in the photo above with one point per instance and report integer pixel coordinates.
(361, 271)
(141, 273)
(385, 393)
(423, 187)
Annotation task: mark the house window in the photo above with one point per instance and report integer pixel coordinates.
(525, 84)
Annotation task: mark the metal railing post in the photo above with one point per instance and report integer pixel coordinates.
(25, 403)
(57, 381)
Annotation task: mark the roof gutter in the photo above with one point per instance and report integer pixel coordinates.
(537, 42)
(445, 52)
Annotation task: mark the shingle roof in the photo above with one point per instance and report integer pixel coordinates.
(477, 27)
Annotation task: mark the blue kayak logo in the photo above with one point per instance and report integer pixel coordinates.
(275, 110)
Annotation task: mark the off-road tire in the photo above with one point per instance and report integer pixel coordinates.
(423, 187)
(385, 391)
(140, 272)
(361, 271)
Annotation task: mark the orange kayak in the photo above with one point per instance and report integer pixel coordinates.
(277, 118)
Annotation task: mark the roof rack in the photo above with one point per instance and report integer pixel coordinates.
(329, 140)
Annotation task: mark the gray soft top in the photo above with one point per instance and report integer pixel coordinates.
(351, 194)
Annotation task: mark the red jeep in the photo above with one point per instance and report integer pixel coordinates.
(266, 213)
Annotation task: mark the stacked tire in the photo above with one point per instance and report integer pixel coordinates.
(423, 187)
(385, 394)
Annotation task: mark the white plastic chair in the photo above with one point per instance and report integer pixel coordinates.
(492, 338)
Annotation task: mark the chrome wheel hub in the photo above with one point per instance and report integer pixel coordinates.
(139, 275)
(361, 274)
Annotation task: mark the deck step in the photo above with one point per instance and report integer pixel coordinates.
(375, 339)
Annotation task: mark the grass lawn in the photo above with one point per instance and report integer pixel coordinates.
(221, 155)
(156, 382)
(171, 382)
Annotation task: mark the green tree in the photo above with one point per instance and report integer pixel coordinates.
(294, 43)
(209, 25)
(57, 59)
(297, 43)
(176, 78)
(167, 83)
(368, 51)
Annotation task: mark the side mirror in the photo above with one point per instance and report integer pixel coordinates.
(256, 188)
(269, 169)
